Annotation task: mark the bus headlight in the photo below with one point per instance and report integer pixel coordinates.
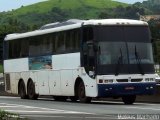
(100, 81)
(152, 79)
(108, 81)
(146, 79)
(149, 79)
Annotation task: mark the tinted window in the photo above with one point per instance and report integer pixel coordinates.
(14, 48)
(111, 52)
(123, 33)
(72, 40)
(35, 46)
(69, 41)
(137, 34)
(88, 34)
(77, 40)
(46, 45)
(54, 43)
(110, 33)
(24, 47)
(61, 42)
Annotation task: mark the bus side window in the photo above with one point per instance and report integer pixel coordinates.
(14, 49)
(46, 45)
(77, 39)
(24, 48)
(69, 41)
(35, 44)
(53, 43)
(56, 41)
(61, 42)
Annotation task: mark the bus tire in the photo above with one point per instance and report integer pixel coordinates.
(74, 98)
(128, 100)
(22, 90)
(31, 91)
(81, 94)
(60, 98)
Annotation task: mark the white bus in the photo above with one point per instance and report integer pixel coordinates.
(81, 59)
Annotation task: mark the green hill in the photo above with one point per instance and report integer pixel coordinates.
(58, 10)
(46, 6)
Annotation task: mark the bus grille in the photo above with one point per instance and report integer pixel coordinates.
(122, 80)
(126, 80)
(136, 80)
(8, 84)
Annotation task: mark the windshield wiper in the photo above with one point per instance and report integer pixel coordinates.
(120, 61)
(138, 61)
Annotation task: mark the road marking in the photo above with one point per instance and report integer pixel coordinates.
(49, 112)
(42, 116)
(8, 106)
(32, 109)
(71, 117)
(29, 107)
(119, 102)
(8, 97)
(94, 101)
(156, 109)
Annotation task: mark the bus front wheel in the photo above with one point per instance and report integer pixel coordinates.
(128, 100)
(81, 94)
(31, 91)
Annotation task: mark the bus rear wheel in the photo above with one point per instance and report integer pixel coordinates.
(31, 91)
(22, 90)
(128, 100)
(74, 98)
(60, 98)
(81, 94)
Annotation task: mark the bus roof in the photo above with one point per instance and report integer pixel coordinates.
(73, 24)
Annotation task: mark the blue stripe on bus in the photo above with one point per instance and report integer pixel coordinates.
(120, 89)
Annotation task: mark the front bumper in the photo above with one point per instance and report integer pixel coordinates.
(121, 89)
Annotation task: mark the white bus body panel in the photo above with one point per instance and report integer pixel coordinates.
(90, 84)
(67, 85)
(13, 83)
(42, 79)
(60, 80)
(66, 61)
(55, 83)
(16, 65)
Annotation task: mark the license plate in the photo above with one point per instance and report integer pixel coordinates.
(129, 88)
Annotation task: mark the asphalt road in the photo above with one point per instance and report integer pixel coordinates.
(48, 109)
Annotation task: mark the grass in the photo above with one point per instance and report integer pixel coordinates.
(9, 116)
(73, 9)
(1, 68)
(46, 6)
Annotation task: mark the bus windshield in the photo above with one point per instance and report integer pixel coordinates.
(110, 52)
(124, 47)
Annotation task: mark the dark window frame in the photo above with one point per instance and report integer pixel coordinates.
(54, 38)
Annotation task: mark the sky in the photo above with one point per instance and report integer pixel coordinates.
(7, 5)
